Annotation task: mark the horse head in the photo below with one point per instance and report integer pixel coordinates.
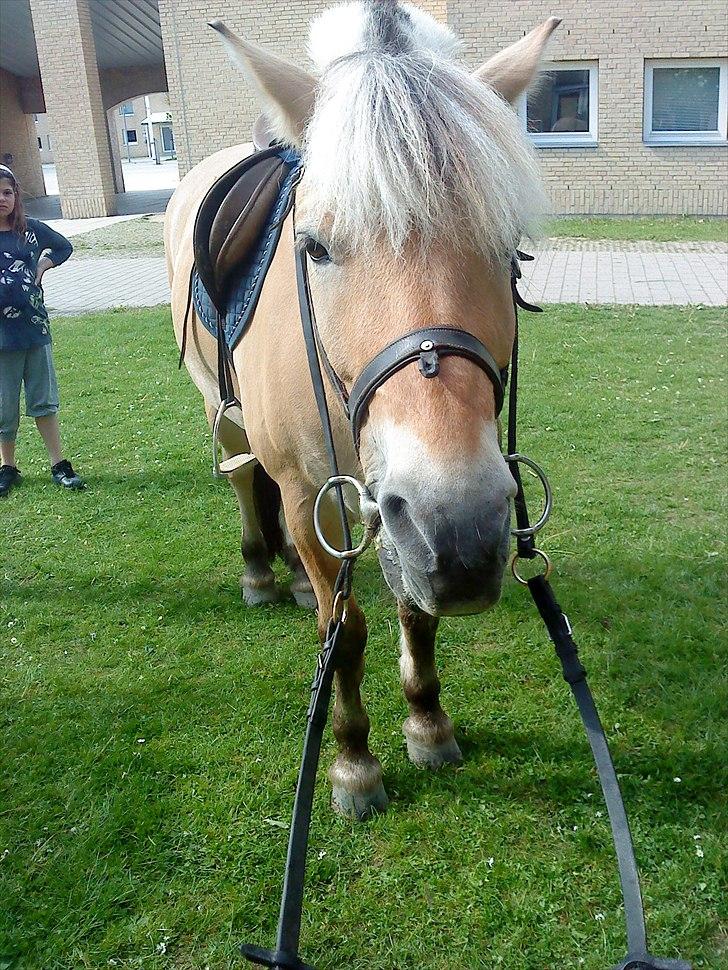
(418, 185)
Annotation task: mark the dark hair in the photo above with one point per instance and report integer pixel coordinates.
(19, 222)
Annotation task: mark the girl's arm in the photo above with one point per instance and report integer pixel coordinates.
(48, 239)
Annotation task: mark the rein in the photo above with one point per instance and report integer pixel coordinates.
(426, 347)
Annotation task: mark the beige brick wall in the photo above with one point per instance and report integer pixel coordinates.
(622, 174)
(67, 58)
(213, 107)
(18, 137)
(212, 104)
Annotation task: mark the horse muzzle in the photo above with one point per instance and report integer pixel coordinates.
(444, 561)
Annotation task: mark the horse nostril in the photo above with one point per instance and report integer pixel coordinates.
(395, 511)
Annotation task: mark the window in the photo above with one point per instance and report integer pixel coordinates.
(685, 101)
(561, 110)
(167, 138)
(130, 136)
(126, 109)
(40, 143)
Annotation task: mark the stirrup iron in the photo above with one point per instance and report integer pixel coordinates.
(228, 465)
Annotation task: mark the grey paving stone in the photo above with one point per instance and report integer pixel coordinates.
(589, 272)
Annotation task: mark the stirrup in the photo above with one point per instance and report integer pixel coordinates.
(228, 465)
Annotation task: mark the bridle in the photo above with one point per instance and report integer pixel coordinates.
(427, 347)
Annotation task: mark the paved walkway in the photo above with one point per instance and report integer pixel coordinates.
(650, 274)
(565, 271)
(85, 285)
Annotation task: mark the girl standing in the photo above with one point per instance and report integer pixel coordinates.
(28, 248)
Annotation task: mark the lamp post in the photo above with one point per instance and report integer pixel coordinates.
(126, 135)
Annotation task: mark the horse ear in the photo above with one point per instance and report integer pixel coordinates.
(512, 70)
(288, 91)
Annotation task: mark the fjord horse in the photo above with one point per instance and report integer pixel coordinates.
(418, 184)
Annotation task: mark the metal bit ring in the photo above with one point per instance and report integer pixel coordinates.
(547, 563)
(531, 530)
(368, 534)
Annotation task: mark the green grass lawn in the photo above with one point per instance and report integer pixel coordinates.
(151, 724)
(650, 228)
(133, 237)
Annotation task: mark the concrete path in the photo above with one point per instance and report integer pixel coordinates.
(85, 285)
(138, 203)
(650, 274)
(565, 271)
(75, 227)
(139, 174)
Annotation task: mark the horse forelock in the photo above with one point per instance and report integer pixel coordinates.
(404, 143)
(388, 27)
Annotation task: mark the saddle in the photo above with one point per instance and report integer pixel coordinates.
(231, 219)
(236, 232)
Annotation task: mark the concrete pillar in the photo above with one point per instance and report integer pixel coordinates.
(117, 170)
(18, 137)
(69, 72)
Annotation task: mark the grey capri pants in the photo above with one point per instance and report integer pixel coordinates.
(33, 368)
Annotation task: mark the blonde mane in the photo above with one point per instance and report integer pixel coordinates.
(404, 142)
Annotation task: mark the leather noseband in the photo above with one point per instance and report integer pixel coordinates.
(427, 346)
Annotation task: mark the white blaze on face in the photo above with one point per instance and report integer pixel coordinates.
(397, 459)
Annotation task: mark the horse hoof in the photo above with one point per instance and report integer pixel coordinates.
(259, 595)
(359, 805)
(434, 756)
(305, 597)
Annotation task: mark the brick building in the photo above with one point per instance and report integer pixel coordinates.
(630, 116)
(130, 122)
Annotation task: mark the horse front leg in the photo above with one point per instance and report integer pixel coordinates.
(429, 732)
(258, 582)
(356, 775)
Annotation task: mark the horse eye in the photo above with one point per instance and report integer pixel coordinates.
(318, 252)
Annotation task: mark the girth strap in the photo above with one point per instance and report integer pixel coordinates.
(425, 345)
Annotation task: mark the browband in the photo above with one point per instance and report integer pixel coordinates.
(427, 346)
